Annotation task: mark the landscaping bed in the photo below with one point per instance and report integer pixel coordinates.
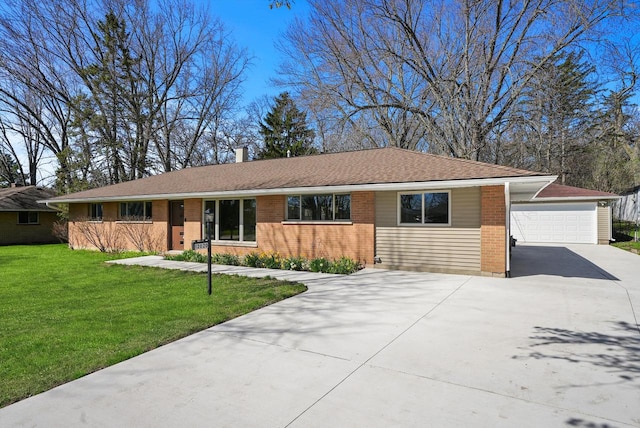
(343, 265)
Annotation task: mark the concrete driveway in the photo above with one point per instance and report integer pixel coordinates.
(557, 345)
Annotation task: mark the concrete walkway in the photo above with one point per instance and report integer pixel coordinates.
(557, 345)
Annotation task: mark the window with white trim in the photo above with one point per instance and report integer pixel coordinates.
(235, 219)
(424, 208)
(321, 207)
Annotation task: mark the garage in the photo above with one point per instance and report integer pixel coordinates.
(563, 215)
(566, 223)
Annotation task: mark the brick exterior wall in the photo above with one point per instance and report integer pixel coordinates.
(328, 240)
(355, 240)
(116, 234)
(493, 258)
(13, 233)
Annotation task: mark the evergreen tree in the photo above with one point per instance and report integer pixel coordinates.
(556, 112)
(284, 129)
(9, 171)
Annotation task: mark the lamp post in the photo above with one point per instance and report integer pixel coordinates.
(208, 219)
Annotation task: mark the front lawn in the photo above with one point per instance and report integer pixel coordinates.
(65, 313)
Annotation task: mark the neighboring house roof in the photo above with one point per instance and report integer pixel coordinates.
(372, 169)
(556, 191)
(24, 199)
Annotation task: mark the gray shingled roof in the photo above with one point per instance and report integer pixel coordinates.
(374, 166)
(24, 199)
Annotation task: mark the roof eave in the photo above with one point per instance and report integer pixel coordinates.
(405, 186)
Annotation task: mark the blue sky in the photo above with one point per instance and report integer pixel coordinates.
(257, 28)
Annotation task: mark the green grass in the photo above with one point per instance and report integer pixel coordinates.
(629, 245)
(64, 313)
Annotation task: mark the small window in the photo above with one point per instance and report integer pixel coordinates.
(436, 208)
(28, 217)
(293, 207)
(249, 220)
(424, 208)
(95, 212)
(319, 207)
(343, 207)
(411, 208)
(137, 210)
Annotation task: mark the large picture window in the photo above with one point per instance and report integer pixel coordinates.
(322, 207)
(429, 208)
(138, 210)
(235, 219)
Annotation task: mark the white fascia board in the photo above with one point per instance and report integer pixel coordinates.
(544, 187)
(575, 198)
(408, 186)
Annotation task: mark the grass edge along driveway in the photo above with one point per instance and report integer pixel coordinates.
(65, 313)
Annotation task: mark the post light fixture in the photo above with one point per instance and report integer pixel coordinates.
(208, 220)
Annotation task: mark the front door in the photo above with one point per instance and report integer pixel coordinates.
(177, 225)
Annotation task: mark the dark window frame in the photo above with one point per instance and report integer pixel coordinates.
(29, 218)
(295, 207)
(127, 211)
(96, 211)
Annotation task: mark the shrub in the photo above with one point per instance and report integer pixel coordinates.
(103, 236)
(60, 230)
(225, 259)
(251, 260)
(345, 266)
(295, 263)
(188, 256)
(320, 265)
(270, 261)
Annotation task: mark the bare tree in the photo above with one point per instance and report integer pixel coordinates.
(19, 136)
(103, 236)
(440, 75)
(142, 235)
(35, 87)
(119, 82)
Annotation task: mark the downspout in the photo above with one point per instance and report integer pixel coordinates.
(507, 241)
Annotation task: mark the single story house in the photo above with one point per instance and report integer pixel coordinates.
(387, 207)
(24, 220)
(565, 215)
(627, 207)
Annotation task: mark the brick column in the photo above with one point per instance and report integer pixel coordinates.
(493, 234)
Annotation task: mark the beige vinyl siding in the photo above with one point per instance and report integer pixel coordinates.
(430, 248)
(604, 224)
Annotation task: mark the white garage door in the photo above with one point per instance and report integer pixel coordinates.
(558, 223)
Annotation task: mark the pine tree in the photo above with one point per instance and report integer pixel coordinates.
(557, 109)
(284, 129)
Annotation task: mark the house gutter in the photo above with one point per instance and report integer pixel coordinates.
(575, 198)
(379, 187)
